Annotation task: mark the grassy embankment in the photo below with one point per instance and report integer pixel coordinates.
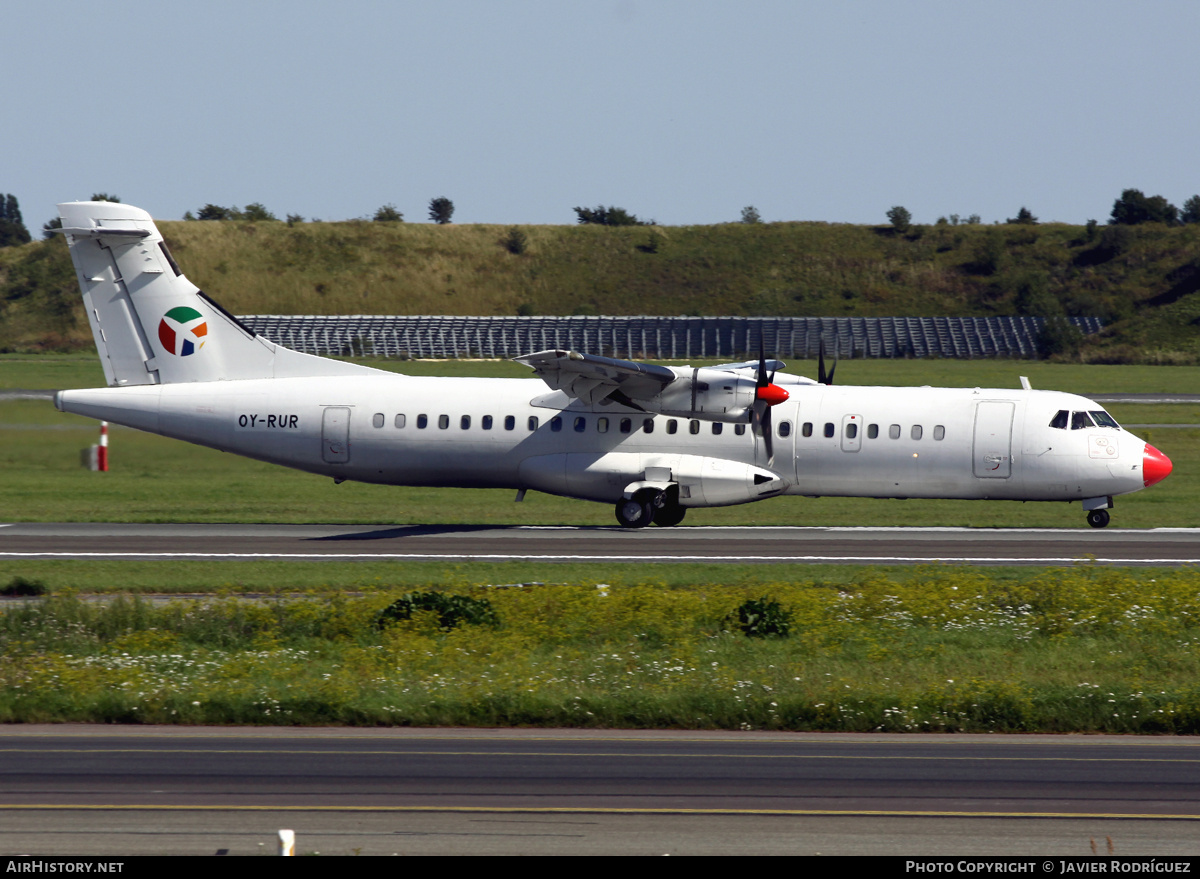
(1145, 279)
(1087, 650)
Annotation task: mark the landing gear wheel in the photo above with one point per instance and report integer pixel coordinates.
(670, 514)
(1097, 518)
(634, 513)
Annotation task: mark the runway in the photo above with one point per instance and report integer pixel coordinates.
(129, 790)
(729, 545)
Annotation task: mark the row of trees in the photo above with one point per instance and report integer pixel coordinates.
(12, 227)
(1132, 208)
(441, 209)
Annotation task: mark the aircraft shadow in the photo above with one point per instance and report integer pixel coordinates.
(399, 532)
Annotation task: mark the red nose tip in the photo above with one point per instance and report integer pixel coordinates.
(772, 395)
(1155, 466)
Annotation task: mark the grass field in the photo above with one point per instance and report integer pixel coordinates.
(871, 648)
(944, 649)
(56, 371)
(160, 480)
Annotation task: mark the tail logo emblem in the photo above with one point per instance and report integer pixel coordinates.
(182, 331)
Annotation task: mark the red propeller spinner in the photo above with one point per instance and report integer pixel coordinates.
(772, 395)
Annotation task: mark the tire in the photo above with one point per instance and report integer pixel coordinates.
(1097, 518)
(634, 513)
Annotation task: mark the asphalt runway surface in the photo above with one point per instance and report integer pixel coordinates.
(129, 790)
(734, 545)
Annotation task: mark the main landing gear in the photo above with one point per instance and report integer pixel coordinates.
(650, 505)
(1097, 518)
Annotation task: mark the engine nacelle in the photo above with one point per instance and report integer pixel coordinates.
(709, 394)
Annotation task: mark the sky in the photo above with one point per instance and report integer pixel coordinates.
(681, 111)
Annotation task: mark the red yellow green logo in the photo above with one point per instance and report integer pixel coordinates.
(182, 330)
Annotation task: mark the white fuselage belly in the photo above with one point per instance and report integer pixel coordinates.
(994, 444)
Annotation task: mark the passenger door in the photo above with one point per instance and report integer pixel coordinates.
(992, 448)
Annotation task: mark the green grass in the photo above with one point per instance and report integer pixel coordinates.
(943, 649)
(56, 371)
(43, 479)
(101, 577)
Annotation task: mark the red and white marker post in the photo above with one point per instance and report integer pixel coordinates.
(102, 450)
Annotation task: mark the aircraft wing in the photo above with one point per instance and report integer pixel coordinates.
(595, 379)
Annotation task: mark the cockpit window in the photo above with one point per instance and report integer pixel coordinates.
(1103, 419)
(1060, 419)
(1080, 421)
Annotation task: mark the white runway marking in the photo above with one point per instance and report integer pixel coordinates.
(554, 557)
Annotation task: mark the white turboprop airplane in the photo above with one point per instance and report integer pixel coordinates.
(653, 440)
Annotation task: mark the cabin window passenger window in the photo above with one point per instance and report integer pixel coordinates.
(851, 430)
(872, 431)
(894, 431)
(739, 429)
(648, 425)
(1080, 421)
(510, 422)
(693, 426)
(400, 421)
(626, 425)
(785, 428)
(377, 419)
(672, 425)
(443, 421)
(580, 424)
(556, 423)
(533, 422)
(806, 430)
(828, 428)
(939, 432)
(1103, 419)
(916, 432)
(602, 425)
(465, 422)
(486, 422)
(717, 428)
(422, 422)
(1060, 419)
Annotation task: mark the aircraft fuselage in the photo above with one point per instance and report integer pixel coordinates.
(502, 433)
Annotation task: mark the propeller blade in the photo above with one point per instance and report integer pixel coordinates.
(823, 377)
(768, 441)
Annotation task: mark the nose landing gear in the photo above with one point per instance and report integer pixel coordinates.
(1097, 518)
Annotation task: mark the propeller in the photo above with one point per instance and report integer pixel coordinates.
(766, 395)
(824, 378)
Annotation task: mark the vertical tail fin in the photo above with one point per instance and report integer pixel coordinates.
(150, 323)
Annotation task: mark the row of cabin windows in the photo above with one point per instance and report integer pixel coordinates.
(578, 424)
(915, 432)
(1082, 420)
(626, 425)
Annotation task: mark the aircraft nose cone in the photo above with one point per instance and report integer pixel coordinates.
(1155, 466)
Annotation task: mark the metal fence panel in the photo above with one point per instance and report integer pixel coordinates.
(659, 338)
